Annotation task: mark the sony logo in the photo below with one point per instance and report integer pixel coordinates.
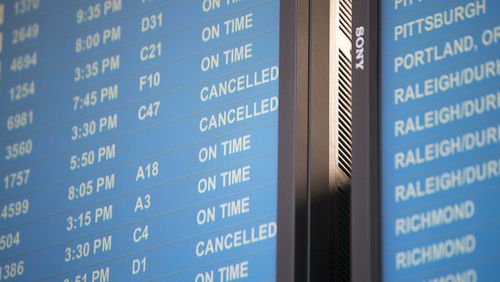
(360, 48)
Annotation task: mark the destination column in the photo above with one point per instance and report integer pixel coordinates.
(440, 139)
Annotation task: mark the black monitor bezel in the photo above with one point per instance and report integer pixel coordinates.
(365, 199)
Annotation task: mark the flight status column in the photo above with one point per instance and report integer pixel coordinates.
(440, 149)
(138, 140)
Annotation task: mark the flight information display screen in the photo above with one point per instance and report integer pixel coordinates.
(138, 140)
(440, 140)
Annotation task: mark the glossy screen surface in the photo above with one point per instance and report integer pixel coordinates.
(138, 140)
(440, 140)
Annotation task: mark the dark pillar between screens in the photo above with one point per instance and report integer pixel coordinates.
(365, 176)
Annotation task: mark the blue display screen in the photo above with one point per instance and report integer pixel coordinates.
(440, 140)
(138, 140)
